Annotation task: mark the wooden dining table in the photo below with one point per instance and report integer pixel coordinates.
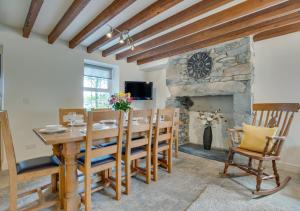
(69, 143)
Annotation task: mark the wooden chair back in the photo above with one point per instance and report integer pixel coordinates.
(139, 126)
(275, 115)
(278, 115)
(111, 131)
(101, 109)
(8, 144)
(63, 112)
(164, 127)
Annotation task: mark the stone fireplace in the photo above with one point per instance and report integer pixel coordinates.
(226, 86)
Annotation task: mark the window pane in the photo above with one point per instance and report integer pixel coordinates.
(97, 71)
(96, 99)
(94, 82)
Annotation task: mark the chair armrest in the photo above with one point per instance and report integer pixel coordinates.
(233, 130)
(235, 136)
(276, 144)
(276, 138)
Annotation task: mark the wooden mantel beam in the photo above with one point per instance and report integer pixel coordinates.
(268, 25)
(151, 11)
(76, 7)
(249, 20)
(223, 16)
(180, 17)
(34, 9)
(100, 20)
(277, 32)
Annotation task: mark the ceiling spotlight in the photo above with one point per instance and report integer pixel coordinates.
(110, 33)
(122, 39)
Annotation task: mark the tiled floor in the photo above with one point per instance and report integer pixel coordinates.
(178, 190)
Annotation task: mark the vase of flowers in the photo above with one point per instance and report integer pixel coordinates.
(121, 101)
(208, 119)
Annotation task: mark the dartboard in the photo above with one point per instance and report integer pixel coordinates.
(199, 65)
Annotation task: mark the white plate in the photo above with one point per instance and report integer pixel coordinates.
(58, 130)
(78, 124)
(111, 122)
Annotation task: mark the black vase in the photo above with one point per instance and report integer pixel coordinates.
(207, 138)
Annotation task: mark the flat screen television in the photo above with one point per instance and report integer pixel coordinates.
(139, 90)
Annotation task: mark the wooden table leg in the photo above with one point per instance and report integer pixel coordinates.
(71, 196)
(54, 177)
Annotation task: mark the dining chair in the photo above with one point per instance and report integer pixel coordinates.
(101, 158)
(163, 140)
(138, 145)
(64, 112)
(101, 109)
(26, 170)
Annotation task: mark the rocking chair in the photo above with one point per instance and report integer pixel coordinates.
(266, 115)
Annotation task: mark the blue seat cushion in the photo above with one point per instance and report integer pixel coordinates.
(138, 137)
(161, 144)
(97, 161)
(82, 150)
(107, 144)
(133, 150)
(37, 163)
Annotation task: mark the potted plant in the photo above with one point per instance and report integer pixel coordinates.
(121, 101)
(208, 119)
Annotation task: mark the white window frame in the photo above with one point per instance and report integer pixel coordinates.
(110, 81)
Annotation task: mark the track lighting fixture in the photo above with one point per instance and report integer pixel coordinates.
(124, 36)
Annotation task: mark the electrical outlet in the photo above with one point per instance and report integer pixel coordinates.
(30, 146)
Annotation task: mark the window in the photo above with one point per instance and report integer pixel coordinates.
(97, 84)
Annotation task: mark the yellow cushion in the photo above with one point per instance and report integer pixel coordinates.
(254, 138)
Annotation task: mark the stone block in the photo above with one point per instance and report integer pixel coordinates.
(243, 58)
(245, 41)
(246, 77)
(220, 50)
(238, 51)
(241, 69)
(204, 89)
(229, 59)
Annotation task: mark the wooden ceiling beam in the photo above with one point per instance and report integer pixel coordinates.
(34, 9)
(268, 25)
(115, 8)
(185, 15)
(76, 7)
(223, 16)
(151, 11)
(249, 20)
(277, 32)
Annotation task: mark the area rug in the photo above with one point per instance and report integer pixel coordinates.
(215, 198)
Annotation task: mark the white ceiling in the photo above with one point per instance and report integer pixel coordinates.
(13, 13)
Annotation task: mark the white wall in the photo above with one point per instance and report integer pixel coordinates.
(277, 79)
(39, 78)
(160, 90)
